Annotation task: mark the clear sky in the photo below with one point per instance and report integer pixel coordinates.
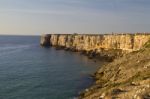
(70, 16)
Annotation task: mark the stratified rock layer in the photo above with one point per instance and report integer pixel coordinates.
(96, 43)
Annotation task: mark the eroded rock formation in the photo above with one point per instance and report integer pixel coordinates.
(45, 38)
(126, 42)
(102, 45)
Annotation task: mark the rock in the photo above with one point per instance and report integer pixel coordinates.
(98, 43)
(102, 96)
(59, 47)
(116, 91)
(134, 84)
(45, 40)
(86, 90)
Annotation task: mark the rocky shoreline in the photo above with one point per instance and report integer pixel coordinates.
(127, 75)
(106, 55)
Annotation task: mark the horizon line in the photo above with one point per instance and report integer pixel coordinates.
(73, 33)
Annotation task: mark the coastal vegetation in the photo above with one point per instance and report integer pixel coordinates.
(127, 77)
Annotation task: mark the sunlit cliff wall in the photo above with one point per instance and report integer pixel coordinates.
(125, 42)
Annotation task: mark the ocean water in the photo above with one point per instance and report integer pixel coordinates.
(29, 71)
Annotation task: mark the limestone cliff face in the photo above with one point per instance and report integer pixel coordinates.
(125, 42)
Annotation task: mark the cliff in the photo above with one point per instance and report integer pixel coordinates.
(45, 38)
(104, 46)
(127, 77)
(126, 42)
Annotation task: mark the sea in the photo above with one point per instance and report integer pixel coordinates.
(30, 71)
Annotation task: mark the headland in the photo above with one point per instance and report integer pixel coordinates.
(126, 76)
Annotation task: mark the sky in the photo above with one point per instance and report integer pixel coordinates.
(35, 17)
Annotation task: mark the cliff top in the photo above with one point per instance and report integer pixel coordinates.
(102, 34)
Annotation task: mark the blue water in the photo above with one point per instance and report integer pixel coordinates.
(29, 71)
